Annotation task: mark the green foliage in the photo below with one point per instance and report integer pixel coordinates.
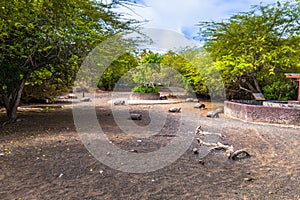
(190, 68)
(204, 77)
(46, 83)
(148, 69)
(251, 46)
(150, 58)
(44, 42)
(278, 87)
(187, 75)
(117, 70)
(280, 90)
(146, 89)
(197, 71)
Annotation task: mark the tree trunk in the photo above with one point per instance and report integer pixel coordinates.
(257, 85)
(12, 112)
(11, 104)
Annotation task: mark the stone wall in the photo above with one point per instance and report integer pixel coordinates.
(144, 96)
(250, 102)
(259, 113)
(283, 104)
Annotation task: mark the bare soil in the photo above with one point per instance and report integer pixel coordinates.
(42, 157)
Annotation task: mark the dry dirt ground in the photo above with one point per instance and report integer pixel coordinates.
(43, 157)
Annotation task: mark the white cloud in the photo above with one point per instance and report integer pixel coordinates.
(182, 16)
(164, 40)
(169, 16)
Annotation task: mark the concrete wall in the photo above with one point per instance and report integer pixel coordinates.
(259, 113)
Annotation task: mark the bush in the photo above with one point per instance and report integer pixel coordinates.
(146, 89)
(280, 90)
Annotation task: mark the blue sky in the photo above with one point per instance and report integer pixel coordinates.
(182, 16)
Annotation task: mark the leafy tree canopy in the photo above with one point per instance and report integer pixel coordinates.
(257, 46)
(117, 69)
(46, 39)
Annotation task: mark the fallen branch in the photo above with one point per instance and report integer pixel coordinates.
(231, 154)
(200, 131)
(217, 145)
(239, 154)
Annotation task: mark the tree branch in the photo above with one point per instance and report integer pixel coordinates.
(245, 89)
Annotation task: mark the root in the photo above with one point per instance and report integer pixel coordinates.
(5, 123)
(10, 122)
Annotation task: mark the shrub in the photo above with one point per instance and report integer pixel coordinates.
(280, 90)
(146, 89)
